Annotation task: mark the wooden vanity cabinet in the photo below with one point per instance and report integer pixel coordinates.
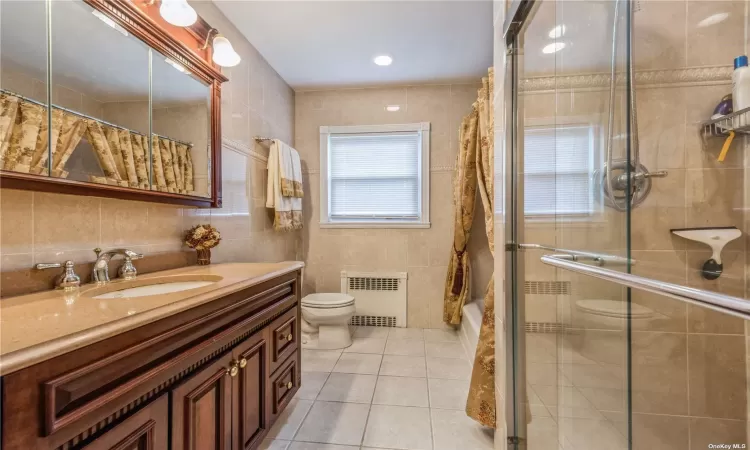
(214, 377)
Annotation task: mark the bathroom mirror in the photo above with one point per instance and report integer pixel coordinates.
(129, 108)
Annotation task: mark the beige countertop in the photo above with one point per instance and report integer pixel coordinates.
(40, 326)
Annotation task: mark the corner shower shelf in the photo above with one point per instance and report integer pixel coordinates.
(739, 122)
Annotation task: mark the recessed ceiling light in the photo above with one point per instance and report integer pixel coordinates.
(392, 108)
(383, 60)
(557, 32)
(553, 47)
(713, 19)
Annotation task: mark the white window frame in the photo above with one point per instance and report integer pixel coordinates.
(596, 130)
(424, 176)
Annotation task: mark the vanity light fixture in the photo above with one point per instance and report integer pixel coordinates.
(178, 12)
(553, 47)
(392, 108)
(224, 54)
(110, 22)
(176, 65)
(383, 60)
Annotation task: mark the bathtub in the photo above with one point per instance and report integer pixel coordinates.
(470, 324)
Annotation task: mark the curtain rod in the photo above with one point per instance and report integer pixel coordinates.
(76, 113)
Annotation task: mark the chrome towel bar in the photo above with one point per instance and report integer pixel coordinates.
(600, 259)
(727, 304)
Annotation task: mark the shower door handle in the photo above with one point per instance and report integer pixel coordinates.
(726, 304)
(600, 259)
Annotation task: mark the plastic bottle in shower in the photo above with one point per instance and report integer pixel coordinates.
(740, 84)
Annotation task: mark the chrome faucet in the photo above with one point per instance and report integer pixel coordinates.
(68, 280)
(101, 266)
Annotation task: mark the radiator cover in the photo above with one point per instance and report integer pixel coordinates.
(380, 297)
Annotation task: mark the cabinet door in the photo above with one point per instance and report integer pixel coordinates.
(202, 408)
(145, 430)
(250, 418)
(284, 338)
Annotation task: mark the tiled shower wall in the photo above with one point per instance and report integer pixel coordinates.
(423, 254)
(42, 227)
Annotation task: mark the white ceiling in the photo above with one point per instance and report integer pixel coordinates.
(88, 56)
(319, 44)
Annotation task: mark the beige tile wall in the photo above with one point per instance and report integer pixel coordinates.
(41, 227)
(422, 253)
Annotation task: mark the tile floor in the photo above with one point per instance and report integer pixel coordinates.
(398, 388)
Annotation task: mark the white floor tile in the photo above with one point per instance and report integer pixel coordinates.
(404, 347)
(334, 423)
(273, 444)
(436, 335)
(447, 368)
(403, 366)
(358, 363)
(348, 387)
(445, 350)
(406, 333)
(319, 360)
(290, 419)
(312, 382)
(399, 427)
(454, 429)
(366, 345)
(448, 394)
(401, 391)
(314, 446)
(371, 332)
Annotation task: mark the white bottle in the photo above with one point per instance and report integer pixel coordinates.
(740, 84)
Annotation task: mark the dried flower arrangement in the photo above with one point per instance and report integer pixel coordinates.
(203, 238)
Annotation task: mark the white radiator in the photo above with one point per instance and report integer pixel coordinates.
(380, 297)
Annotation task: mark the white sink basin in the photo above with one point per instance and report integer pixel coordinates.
(155, 289)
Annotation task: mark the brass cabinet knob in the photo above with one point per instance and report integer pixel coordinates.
(233, 369)
(289, 337)
(243, 363)
(289, 385)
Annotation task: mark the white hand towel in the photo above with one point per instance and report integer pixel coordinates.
(287, 210)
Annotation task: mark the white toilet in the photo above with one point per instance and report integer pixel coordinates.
(325, 321)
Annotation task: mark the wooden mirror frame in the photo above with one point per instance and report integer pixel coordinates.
(183, 45)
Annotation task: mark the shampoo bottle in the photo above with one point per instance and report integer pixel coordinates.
(740, 84)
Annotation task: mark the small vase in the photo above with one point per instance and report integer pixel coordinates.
(204, 257)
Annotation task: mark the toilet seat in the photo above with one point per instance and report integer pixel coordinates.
(614, 308)
(327, 301)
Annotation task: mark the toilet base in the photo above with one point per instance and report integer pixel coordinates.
(328, 337)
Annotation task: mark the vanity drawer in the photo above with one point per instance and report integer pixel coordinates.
(284, 384)
(284, 337)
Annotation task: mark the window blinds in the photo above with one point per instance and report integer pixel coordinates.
(374, 175)
(558, 166)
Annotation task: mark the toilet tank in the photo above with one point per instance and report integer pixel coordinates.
(380, 297)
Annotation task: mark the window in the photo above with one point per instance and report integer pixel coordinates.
(375, 176)
(559, 164)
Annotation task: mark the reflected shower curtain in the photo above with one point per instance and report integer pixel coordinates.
(464, 199)
(173, 166)
(480, 404)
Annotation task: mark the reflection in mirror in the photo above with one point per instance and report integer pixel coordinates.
(23, 87)
(181, 118)
(100, 93)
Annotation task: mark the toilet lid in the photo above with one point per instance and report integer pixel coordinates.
(613, 308)
(327, 300)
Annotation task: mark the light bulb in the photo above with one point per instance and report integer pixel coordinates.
(224, 54)
(383, 60)
(178, 12)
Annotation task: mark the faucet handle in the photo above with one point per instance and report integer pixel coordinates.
(128, 270)
(68, 280)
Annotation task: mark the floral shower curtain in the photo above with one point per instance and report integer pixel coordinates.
(122, 154)
(464, 199)
(475, 170)
(480, 404)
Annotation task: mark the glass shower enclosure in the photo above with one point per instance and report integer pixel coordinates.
(627, 219)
